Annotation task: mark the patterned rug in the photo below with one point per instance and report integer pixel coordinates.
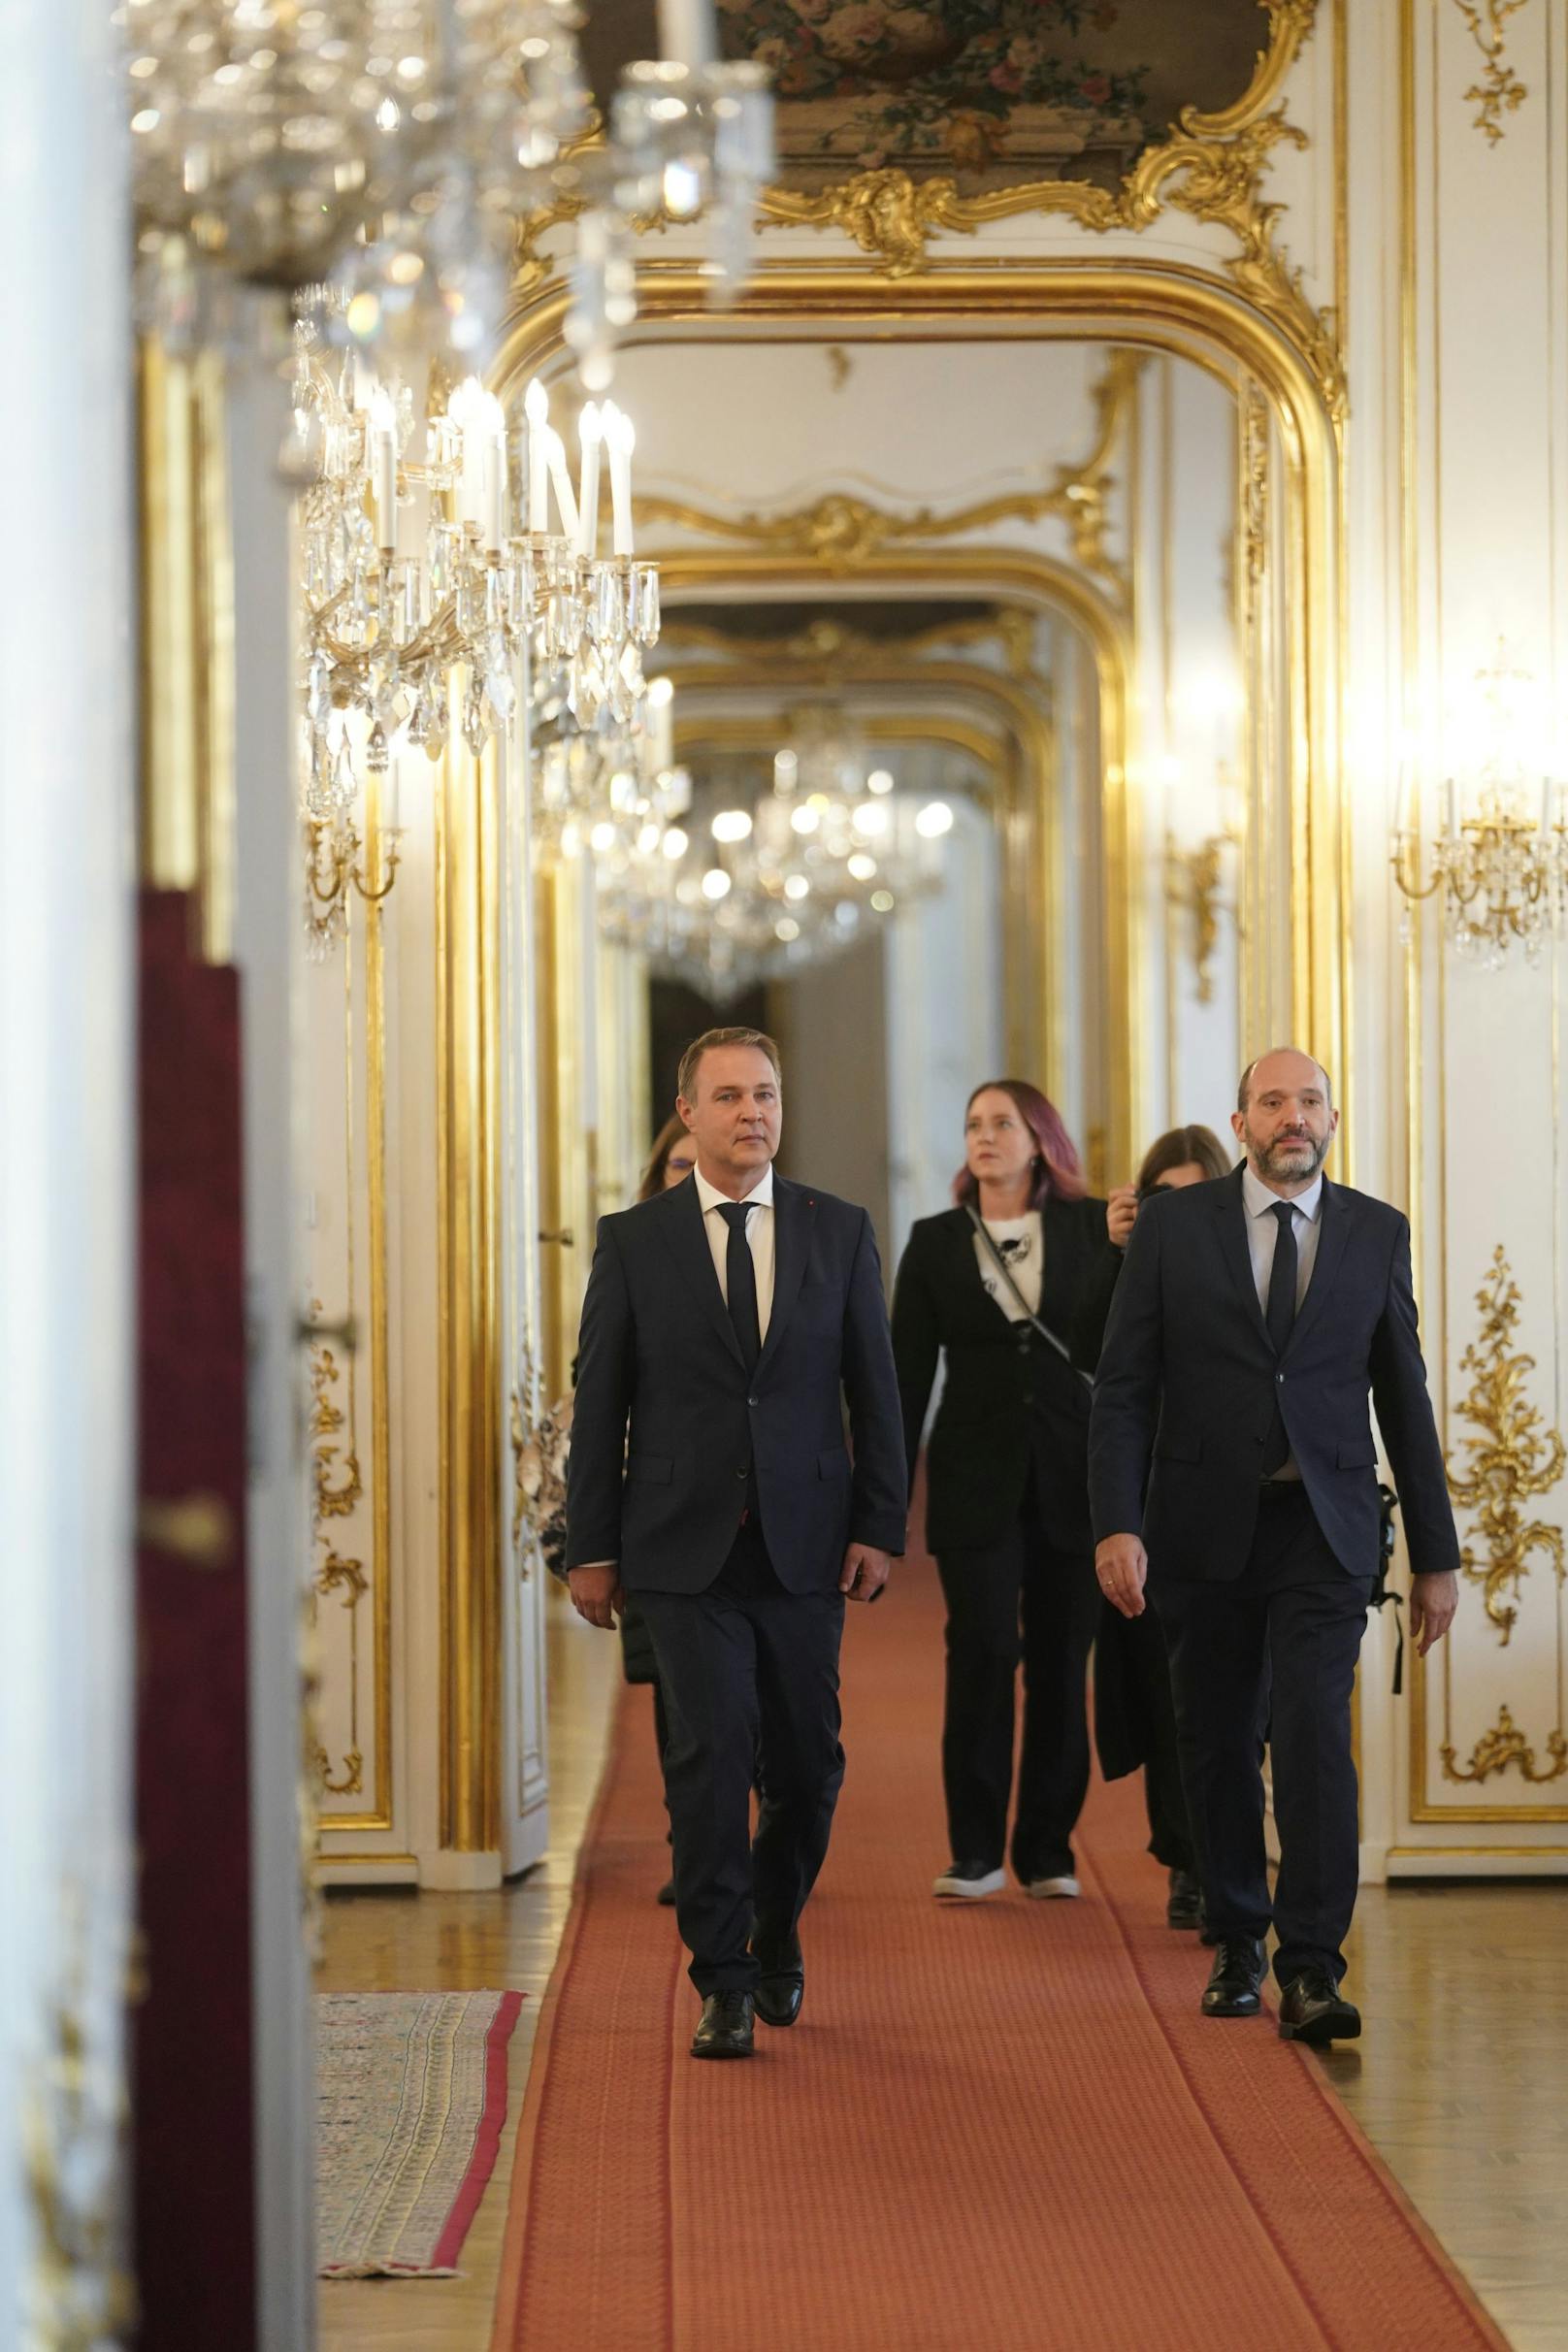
(410, 2096)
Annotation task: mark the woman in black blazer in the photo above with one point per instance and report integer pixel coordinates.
(1007, 1503)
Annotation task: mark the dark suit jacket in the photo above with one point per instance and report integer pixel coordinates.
(1189, 1377)
(657, 1345)
(1009, 1401)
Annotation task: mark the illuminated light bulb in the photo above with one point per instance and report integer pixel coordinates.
(715, 883)
(570, 841)
(863, 868)
(676, 845)
(730, 825)
(882, 900)
(933, 820)
(786, 929)
(797, 887)
(601, 840)
(806, 820)
(879, 780)
(648, 839)
(870, 820)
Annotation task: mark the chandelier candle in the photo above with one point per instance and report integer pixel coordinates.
(590, 436)
(537, 408)
(555, 452)
(383, 431)
(621, 437)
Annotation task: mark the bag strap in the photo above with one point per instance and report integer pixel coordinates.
(1006, 1272)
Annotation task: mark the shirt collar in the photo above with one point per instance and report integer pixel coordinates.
(760, 1196)
(1259, 1199)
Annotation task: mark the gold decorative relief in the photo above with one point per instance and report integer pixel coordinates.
(843, 534)
(77, 2298)
(1253, 487)
(1499, 91)
(1511, 1459)
(1505, 1745)
(334, 1573)
(1211, 166)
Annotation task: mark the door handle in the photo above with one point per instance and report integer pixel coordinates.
(197, 1529)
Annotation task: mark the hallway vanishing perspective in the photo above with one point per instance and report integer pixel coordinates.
(784, 860)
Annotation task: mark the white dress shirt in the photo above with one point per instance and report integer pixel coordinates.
(758, 1237)
(1263, 1232)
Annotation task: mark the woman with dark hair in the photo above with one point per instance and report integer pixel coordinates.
(672, 1157)
(1009, 1289)
(1134, 1721)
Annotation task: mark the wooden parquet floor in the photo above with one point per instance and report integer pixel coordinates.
(1461, 2082)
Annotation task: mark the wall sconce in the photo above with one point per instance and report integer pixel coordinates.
(1193, 879)
(334, 865)
(1500, 862)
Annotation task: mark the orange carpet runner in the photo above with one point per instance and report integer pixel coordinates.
(999, 2127)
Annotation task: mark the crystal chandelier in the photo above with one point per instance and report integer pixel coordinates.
(393, 145)
(791, 880)
(426, 570)
(272, 141)
(1499, 864)
(615, 794)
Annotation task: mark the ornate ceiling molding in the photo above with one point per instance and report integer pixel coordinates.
(842, 532)
(1212, 166)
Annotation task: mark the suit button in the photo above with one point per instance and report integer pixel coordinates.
(751, 1400)
(1279, 1376)
(741, 1472)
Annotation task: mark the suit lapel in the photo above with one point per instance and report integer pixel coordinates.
(1230, 1220)
(1333, 1229)
(686, 1231)
(795, 1213)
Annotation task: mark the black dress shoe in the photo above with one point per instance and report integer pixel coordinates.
(1235, 1988)
(1184, 1905)
(724, 2029)
(1313, 2011)
(781, 1981)
(667, 1892)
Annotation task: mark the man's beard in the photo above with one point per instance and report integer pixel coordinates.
(1269, 1165)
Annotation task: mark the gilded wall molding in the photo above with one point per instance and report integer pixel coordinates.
(836, 646)
(842, 532)
(1499, 91)
(1212, 166)
(75, 2295)
(1505, 1745)
(1510, 1461)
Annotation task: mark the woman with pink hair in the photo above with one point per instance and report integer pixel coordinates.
(1008, 1290)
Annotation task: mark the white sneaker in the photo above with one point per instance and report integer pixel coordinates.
(1046, 1887)
(969, 1879)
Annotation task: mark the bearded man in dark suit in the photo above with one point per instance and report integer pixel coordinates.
(1252, 1318)
(729, 1320)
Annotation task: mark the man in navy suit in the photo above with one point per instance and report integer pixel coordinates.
(728, 1320)
(1253, 1318)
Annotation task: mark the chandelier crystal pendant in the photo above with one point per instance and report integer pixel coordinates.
(1499, 862)
(403, 609)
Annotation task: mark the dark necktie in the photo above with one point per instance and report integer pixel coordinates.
(740, 1282)
(1280, 1317)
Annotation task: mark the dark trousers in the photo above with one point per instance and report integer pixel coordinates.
(746, 1669)
(1025, 1597)
(1271, 1655)
(1147, 1667)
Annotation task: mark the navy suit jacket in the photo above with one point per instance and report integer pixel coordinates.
(658, 1350)
(1189, 1377)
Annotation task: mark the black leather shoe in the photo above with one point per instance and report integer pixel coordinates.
(667, 1892)
(1234, 1989)
(725, 2027)
(781, 1982)
(1313, 2011)
(1184, 1905)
